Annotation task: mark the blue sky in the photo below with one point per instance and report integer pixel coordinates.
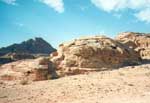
(63, 20)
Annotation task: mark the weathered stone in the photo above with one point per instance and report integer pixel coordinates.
(94, 52)
(32, 70)
(138, 41)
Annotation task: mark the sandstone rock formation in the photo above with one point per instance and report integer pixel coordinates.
(138, 41)
(94, 53)
(32, 70)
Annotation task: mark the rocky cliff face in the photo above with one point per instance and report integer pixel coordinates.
(31, 46)
(93, 53)
(138, 41)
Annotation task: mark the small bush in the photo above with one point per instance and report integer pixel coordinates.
(24, 82)
(147, 74)
(121, 74)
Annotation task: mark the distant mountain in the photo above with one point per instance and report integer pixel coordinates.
(31, 46)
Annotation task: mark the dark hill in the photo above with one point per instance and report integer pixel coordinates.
(31, 46)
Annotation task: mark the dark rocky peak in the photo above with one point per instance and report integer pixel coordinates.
(31, 46)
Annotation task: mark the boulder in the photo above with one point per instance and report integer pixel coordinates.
(140, 42)
(93, 53)
(32, 70)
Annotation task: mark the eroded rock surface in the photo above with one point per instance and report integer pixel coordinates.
(138, 41)
(94, 53)
(32, 70)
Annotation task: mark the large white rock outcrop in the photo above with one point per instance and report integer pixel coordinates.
(93, 53)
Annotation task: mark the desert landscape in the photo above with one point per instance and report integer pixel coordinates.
(126, 85)
(95, 69)
(74, 51)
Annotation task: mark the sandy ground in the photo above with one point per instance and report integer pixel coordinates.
(126, 85)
